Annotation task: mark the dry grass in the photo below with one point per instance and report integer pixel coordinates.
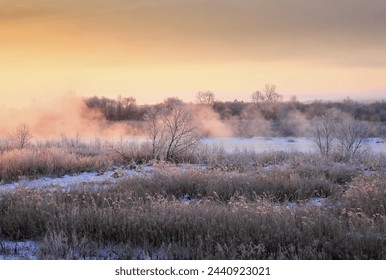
(73, 225)
(367, 195)
(281, 182)
(72, 155)
(245, 206)
(67, 156)
(34, 162)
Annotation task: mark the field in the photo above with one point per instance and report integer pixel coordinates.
(228, 199)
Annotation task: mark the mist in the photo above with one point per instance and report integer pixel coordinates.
(210, 122)
(247, 120)
(94, 117)
(295, 124)
(66, 115)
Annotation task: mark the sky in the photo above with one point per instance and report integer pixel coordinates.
(156, 49)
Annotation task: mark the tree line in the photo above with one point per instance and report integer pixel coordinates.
(284, 118)
(174, 127)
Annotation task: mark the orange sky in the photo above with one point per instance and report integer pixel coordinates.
(162, 48)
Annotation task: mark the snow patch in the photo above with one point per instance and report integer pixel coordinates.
(18, 250)
(68, 181)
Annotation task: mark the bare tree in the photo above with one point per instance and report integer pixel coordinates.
(171, 102)
(181, 131)
(5, 143)
(171, 130)
(267, 101)
(156, 130)
(351, 136)
(22, 136)
(268, 95)
(336, 131)
(205, 98)
(323, 130)
(129, 107)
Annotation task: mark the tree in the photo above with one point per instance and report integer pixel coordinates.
(181, 133)
(268, 95)
(170, 103)
(323, 130)
(351, 136)
(126, 107)
(171, 130)
(205, 98)
(156, 130)
(335, 127)
(22, 136)
(267, 101)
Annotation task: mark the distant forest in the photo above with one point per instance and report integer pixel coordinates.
(266, 114)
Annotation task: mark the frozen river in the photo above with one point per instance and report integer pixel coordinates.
(287, 144)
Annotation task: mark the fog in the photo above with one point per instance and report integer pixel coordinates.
(210, 123)
(66, 115)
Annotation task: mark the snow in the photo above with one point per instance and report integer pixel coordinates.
(68, 181)
(63, 182)
(377, 144)
(312, 202)
(316, 202)
(28, 250)
(285, 144)
(187, 199)
(262, 144)
(19, 250)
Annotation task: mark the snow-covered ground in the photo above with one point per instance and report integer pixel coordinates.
(63, 182)
(68, 181)
(262, 144)
(286, 144)
(29, 250)
(20, 250)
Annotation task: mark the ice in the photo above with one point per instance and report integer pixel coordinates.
(262, 144)
(285, 144)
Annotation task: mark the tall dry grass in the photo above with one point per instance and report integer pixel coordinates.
(74, 224)
(34, 162)
(245, 205)
(283, 182)
(367, 195)
(67, 156)
(57, 157)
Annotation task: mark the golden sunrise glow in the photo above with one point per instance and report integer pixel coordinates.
(156, 49)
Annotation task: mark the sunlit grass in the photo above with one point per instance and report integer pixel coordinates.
(75, 224)
(244, 205)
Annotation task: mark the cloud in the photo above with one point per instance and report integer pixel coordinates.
(203, 30)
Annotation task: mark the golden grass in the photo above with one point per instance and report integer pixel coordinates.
(246, 206)
(35, 162)
(212, 228)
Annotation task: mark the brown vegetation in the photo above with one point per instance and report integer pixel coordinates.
(256, 207)
(240, 205)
